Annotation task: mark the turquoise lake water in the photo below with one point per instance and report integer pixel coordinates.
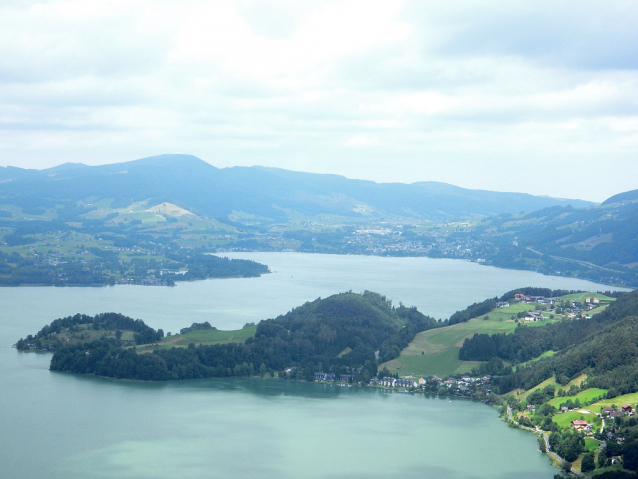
(58, 425)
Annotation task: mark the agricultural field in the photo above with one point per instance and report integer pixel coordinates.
(436, 351)
(581, 297)
(583, 397)
(631, 399)
(564, 420)
(522, 395)
(204, 337)
(591, 444)
(442, 363)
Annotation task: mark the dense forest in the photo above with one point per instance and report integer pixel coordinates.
(70, 331)
(339, 334)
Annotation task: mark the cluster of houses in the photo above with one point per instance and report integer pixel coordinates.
(394, 383)
(344, 378)
(463, 384)
(581, 425)
(533, 316)
(571, 311)
(533, 299)
(610, 412)
(606, 412)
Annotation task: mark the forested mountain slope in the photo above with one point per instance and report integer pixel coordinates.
(600, 242)
(197, 186)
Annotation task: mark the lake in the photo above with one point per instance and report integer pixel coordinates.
(60, 425)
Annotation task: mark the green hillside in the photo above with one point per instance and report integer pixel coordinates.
(442, 351)
(339, 334)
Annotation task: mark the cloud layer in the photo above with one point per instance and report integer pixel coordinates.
(540, 98)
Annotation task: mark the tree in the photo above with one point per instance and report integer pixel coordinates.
(601, 460)
(630, 456)
(588, 463)
(541, 445)
(612, 449)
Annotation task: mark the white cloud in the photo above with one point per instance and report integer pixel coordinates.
(391, 91)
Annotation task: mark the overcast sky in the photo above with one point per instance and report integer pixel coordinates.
(537, 96)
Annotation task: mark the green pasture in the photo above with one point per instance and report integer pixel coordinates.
(344, 352)
(565, 420)
(546, 354)
(584, 397)
(206, 337)
(211, 336)
(442, 363)
(515, 308)
(548, 382)
(436, 351)
(631, 399)
(599, 309)
(581, 297)
(591, 444)
(522, 395)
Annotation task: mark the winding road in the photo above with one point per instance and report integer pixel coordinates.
(561, 258)
(550, 453)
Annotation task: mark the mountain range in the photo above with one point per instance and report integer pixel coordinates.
(271, 193)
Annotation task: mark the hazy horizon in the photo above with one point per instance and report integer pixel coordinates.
(501, 96)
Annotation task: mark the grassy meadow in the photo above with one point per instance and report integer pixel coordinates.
(436, 351)
(205, 337)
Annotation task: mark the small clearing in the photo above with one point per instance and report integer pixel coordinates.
(169, 209)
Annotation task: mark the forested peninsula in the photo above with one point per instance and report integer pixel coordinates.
(344, 334)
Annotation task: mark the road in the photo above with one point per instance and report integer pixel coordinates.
(561, 258)
(550, 453)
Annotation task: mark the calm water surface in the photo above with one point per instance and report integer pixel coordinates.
(59, 425)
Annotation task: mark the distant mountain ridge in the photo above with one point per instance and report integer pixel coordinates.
(197, 186)
(622, 197)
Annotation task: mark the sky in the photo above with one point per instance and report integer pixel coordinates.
(539, 97)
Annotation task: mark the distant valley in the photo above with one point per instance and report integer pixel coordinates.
(144, 222)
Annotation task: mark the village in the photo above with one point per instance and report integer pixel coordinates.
(554, 307)
(466, 386)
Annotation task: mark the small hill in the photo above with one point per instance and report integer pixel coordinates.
(80, 330)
